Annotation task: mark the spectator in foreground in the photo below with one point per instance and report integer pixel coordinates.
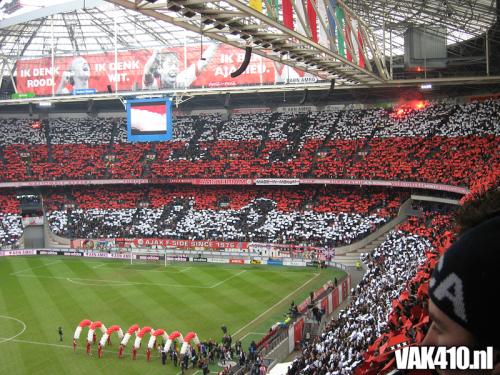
(465, 282)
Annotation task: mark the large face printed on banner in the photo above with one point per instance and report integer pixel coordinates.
(80, 71)
(76, 77)
(168, 69)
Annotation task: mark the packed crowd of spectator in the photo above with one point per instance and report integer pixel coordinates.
(310, 215)
(10, 229)
(442, 143)
(10, 220)
(375, 315)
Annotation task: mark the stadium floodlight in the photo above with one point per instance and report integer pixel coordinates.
(45, 104)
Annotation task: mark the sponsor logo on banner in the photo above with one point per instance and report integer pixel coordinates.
(219, 260)
(334, 107)
(147, 257)
(171, 180)
(13, 253)
(204, 260)
(222, 181)
(178, 258)
(297, 109)
(277, 181)
(237, 261)
(72, 254)
(238, 111)
(84, 91)
(254, 246)
(255, 261)
(48, 252)
(120, 256)
(275, 262)
(22, 95)
(288, 262)
(313, 263)
(92, 254)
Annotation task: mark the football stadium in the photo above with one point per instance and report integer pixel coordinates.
(292, 187)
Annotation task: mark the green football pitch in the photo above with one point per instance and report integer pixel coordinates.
(39, 294)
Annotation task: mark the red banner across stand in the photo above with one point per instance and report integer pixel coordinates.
(136, 70)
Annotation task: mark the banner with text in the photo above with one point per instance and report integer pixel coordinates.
(156, 243)
(166, 68)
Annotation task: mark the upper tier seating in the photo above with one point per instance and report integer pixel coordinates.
(443, 143)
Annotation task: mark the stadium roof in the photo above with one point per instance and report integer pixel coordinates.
(86, 26)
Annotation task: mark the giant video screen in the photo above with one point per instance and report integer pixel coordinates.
(149, 120)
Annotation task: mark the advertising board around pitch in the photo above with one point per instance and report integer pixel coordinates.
(149, 120)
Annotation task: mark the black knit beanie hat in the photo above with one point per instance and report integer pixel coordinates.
(465, 284)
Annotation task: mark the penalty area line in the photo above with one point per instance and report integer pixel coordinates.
(229, 278)
(104, 282)
(109, 283)
(34, 268)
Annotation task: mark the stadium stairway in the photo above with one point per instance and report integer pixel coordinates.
(114, 132)
(2, 157)
(48, 138)
(51, 240)
(350, 254)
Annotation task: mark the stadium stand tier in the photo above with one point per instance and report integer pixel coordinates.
(318, 216)
(442, 143)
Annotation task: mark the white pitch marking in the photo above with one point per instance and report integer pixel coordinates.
(2, 339)
(251, 333)
(91, 284)
(104, 282)
(184, 270)
(99, 265)
(276, 304)
(34, 268)
(229, 278)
